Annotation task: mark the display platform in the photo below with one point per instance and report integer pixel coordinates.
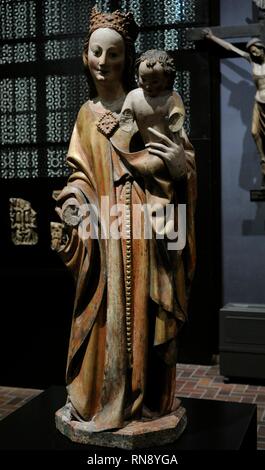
(212, 425)
(242, 341)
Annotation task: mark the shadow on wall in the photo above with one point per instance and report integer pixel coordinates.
(255, 226)
(242, 98)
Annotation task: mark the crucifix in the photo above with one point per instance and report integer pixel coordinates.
(254, 53)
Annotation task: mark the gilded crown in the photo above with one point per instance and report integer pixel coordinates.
(123, 23)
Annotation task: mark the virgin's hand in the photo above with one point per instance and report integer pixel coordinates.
(170, 152)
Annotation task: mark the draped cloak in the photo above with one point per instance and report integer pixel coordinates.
(104, 392)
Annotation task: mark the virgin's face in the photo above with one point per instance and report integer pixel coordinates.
(106, 56)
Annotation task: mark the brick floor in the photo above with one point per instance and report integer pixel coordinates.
(12, 398)
(192, 381)
(206, 382)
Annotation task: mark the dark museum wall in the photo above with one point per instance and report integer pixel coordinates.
(243, 222)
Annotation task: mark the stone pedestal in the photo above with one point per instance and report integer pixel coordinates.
(242, 341)
(211, 425)
(134, 435)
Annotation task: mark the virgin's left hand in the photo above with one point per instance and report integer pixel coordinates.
(170, 152)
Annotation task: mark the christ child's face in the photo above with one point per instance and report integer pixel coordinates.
(153, 80)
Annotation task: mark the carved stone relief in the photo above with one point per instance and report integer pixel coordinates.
(23, 222)
(58, 236)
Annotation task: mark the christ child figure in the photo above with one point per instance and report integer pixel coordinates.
(154, 104)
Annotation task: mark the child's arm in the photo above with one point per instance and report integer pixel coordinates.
(176, 113)
(127, 116)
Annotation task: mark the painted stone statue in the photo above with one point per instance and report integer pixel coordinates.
(131, 291)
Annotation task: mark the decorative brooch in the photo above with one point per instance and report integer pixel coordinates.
(108, 124)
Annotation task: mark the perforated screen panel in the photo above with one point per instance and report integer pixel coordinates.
(65, 16)
(18, 19)
(43, 84)
(147, 12)
(18, 110)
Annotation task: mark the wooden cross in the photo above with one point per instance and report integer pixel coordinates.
(256, 30)
(249, 30)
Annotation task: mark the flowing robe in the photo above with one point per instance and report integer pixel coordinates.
(103, 390)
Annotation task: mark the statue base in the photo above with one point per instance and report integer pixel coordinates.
(257, 195)
(134, 435)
